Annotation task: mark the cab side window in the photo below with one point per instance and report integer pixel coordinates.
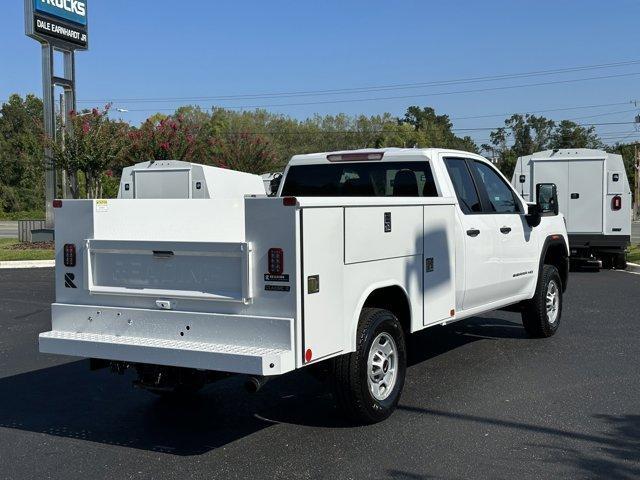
(463, 185)
(501, 199)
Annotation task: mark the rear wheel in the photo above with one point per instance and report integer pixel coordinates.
(620, 261)
(607, 261)
(541, 315)
(368, 382)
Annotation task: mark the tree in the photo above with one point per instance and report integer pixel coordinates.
(526, 134)
(21, 154)
(166, 138)
(435, 130)
(521, 135)
(244, 151)
(92, 145)
(571, 135)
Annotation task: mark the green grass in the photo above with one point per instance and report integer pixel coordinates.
(633, 254)
(8, 254)
(27, 215)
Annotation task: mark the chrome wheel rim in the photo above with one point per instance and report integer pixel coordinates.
(553, 302)
(382, 366)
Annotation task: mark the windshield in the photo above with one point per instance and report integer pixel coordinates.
(361, 179)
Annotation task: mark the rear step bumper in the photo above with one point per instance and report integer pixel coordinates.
(207, 356)
(228, 343)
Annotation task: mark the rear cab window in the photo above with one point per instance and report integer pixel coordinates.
(361, 179)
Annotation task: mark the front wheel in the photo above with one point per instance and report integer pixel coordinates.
(368, 382)
(541, 315)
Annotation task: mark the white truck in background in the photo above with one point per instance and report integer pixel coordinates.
(593, 195)
(358, 250)
(177, 179)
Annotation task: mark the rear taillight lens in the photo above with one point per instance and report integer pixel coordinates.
(276, 261)
(616, 203)
(69, 255)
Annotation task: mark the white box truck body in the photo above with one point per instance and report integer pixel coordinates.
(593, 194)
(177, 179)
(358, 250)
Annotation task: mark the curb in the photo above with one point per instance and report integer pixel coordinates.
(28, 264)
(633, 267)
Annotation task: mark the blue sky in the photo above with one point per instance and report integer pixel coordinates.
(167, 49)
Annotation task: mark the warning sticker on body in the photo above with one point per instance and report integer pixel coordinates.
(102, 205)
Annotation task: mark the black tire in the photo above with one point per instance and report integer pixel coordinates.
(536, 320)
(350, 372)
(607, 261)
(620, 261)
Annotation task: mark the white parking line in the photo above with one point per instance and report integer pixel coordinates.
(28, 264)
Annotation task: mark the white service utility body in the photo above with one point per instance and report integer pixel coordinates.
(263, 286)
(178, 179)
(593, 194)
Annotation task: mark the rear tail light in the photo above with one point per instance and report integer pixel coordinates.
(276, 261)
(616, 203)
(69, 255)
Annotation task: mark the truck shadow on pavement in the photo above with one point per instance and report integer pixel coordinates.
(70, 401)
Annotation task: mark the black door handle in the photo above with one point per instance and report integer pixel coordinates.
(474, 232)
(505, 229)
(574, 196)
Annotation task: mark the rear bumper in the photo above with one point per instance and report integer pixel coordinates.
(599, 241)
(229, 343)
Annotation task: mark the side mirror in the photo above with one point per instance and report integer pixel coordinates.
(547, 198)
(533, 216)
(546, 203)
(274, 184)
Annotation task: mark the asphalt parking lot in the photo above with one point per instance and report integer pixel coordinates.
(481, 401)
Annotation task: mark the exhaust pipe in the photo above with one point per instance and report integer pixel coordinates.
(253, 384)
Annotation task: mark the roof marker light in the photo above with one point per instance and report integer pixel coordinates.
(57, 204)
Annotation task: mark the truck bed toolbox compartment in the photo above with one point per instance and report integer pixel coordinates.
(199, 270)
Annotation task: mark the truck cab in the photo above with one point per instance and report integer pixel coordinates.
(358, 250)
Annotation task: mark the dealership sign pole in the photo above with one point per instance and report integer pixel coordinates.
(59, 25)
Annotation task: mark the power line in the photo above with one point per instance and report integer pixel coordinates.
(435, 94)
(577, 124)
(491, 115)
(604, 114)
(368, 89)
(525, 112)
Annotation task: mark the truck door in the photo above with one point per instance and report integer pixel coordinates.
(584, 214)
(516, 246)
(322, 282)
(480, 263)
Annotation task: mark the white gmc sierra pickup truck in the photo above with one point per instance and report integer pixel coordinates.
(358, 250)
